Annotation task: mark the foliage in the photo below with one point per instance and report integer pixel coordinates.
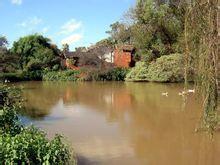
(10, 102)
(138, 73)
(32, 75)
(8, 61)
(21, 76)
(201, 42)
(31, 146)
(119, 33)
(12, 77)
(10, 96)
(26, 145)
(155, 29)
(167, 68)
(9, 122)
(36, 53)
(114, 74)
(66, 75)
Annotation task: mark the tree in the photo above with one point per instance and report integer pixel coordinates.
(36, 53)
(201, 42)
(119, 33)
(65, 49)
(8, 61)
(157, 29)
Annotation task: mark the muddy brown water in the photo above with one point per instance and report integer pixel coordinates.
(123, 123)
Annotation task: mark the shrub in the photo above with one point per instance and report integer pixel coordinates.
(138, 73)
(114, 74)
(12, 77)
(67, 75)
(31, 146)
(167, 68)
(22, 76)
(26, 145)
(32, 75)
(9, 122)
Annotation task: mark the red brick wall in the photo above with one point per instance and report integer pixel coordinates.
(122, 58)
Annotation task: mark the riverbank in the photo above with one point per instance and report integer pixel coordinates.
(169, 68)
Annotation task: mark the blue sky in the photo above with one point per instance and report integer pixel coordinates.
(77, 22)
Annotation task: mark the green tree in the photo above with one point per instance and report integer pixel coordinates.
(120, 33)
(8, 61)
(36, 53)
(202, 54)
(158, 28)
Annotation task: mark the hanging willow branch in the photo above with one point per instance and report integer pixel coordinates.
(201, 43)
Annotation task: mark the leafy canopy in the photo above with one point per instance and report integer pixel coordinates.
(36, 52)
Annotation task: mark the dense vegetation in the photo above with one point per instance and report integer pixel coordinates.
(36, 53)
(202, 54)
(112, 74)
(28, 58)
(68, 75)
(155, 29)
(168, 68)
(26, 145)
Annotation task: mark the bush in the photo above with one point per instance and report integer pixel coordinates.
(67, 75)
(26, 145)
(167, 68)
(114, 74)
(31, 146)
(22, 76)
(32, 75)
(138, 73)
(12, 77)
(9, 122)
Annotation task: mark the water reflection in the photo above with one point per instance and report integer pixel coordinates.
(123, 123)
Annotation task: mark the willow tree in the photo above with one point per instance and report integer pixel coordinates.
(202, 56)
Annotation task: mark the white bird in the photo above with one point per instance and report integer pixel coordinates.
(6, 80)
(182, 93)
(191, 91)
(165, 94)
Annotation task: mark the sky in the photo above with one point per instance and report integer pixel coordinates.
(76, 22)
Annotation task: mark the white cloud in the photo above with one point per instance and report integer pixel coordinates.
(72, 39)
(70, 26)
(31, 23)
(16, 2)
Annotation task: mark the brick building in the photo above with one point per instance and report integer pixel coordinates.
(124, 56)
(121, 56)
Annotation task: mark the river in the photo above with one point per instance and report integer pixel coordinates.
(116, 123)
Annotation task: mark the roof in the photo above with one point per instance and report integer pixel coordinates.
(73, 54)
